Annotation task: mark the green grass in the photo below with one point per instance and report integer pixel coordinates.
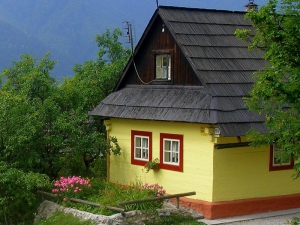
(108, 194)
(60, 218)
(175, 220)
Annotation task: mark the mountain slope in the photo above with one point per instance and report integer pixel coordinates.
(68, 28)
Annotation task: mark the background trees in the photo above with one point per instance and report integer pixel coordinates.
(45, 127)
(276, 92)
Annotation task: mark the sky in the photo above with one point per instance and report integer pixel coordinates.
(234, 5)
(144, 9)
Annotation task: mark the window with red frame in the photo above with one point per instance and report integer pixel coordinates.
(171, 152)
(141, 147)
(275, 160)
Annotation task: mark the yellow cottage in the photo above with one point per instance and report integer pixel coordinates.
(179, 100)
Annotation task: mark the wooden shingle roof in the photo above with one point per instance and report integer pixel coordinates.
(221, 62)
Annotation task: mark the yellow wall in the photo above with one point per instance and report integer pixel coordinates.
(197, 172)
(215, 174)
(241, 173)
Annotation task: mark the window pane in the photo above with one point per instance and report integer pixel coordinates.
(137, 153)
(175, 146)
(145, 154)
(167, 156)
(167, 145)
(159, 73)
(145, 142)
(165, 73)
(158, 61)
(165, 60)
(138, 142)
(174, 157)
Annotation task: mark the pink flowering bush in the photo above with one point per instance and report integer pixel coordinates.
(70, 187)
(157, 190)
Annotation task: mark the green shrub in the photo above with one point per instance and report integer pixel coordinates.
(109, 194)
(115, 193)
(18, 200)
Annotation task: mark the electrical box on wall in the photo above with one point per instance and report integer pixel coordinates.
(206, 130)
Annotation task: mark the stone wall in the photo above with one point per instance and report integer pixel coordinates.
(47, 208)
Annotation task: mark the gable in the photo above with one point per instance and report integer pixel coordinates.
(158, 40)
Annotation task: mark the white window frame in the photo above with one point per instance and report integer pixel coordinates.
(142, 148)
(171, 152)
(279, 163)
(161, 68)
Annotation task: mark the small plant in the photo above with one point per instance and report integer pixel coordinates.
(151, 165)
(294, 221)
(70, 187)
(143, 192)
(157, 190)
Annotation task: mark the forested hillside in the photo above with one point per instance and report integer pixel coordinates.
(13, 42)
(67, 28)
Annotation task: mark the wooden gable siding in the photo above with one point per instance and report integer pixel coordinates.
(156, 42)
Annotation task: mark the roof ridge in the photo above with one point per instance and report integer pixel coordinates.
(199, 9)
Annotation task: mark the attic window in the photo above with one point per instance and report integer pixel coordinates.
(163, 67)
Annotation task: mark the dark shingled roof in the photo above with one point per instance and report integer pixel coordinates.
(222, 63)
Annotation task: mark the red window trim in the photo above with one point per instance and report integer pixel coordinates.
(140, 133)
(167, 166)
(278, 167)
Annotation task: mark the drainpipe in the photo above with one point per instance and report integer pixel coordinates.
(107, 124)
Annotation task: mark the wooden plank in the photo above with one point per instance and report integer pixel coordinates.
(85, 202)
(47, 194)
(156, 198)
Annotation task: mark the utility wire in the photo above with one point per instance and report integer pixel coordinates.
(132, 55)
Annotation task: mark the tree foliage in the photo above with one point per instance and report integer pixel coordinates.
(276, 92)
(95, 80)
(18, 193)
(45, 126)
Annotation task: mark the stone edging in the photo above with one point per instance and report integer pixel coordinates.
(47, 208)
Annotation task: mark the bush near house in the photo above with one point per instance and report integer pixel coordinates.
(107, 194)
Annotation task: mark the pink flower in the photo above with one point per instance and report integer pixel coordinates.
(64, 199)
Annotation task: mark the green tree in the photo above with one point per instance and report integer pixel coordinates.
(45, 127)
(30, 130)
(93, 81)
(18, 194)
(276, 92)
